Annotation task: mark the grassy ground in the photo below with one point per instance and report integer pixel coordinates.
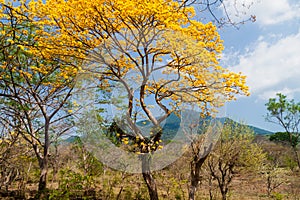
(245, 186)
(172, 182)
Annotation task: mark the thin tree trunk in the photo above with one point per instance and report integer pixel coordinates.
(224, 196)
(192, 191)
(196, 165)
(294, 147)
(195, 177)
(224, 190)
(148, 178)
(43, 176)
(42, 188)
(297, 156)
(210, 187)
(194, 181)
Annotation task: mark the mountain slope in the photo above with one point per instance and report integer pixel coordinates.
(172, 124)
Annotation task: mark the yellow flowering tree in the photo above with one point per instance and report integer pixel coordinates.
(35, 89)
(153, 49)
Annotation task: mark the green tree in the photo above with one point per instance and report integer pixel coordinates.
(286, 113)
(9, 169)
(284, 137)
(202, 143)
(235, 150)
(16, 161)
(35, 90)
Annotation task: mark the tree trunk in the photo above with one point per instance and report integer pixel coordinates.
(224, 196)
(195, 177)
(194, 181)
(42, 187)
(43, 163)
(43, 176)
(148, 178)
(211, 197)
(297, 156)
(196, 165)
(192, 191)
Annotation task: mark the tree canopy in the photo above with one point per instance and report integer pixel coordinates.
(286, 113)
(173, 57)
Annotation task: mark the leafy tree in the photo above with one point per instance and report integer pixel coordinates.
(234, 150)
(284, 138)
(274, 177)
(34, 89)
(153, 49)
(90, 166)
(79, 171)
(9, 170)
(15, 165)
(286, 113)
(201, 146)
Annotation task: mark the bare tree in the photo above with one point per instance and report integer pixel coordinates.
(218, 12)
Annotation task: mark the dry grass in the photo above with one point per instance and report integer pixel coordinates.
(173, 182)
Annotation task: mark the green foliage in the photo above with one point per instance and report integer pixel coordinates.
(278, 196)
(282, 105)
(115, 134)
(70, 184)
(141, 194)
(290, 162)
(286, 113)
(274, 177)
(234, 150)
(90, 165)
(177, 196)
(70, 180)
(236, 146)
(285, 137)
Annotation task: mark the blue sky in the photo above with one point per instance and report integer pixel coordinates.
(267, 51)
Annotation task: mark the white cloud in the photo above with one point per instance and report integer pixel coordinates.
(289, 92)
(267, 12)
(272, 67)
